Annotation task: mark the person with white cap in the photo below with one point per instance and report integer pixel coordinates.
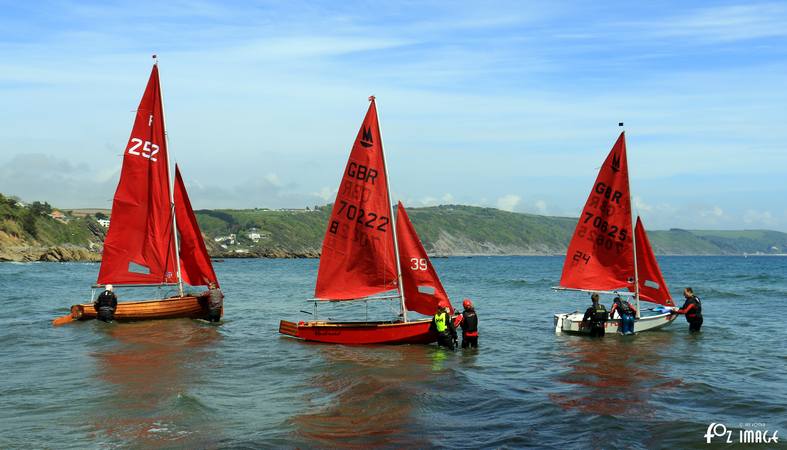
(106, 304)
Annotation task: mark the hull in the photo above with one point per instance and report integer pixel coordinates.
(361, 333)
(572, 323)
(169, 308)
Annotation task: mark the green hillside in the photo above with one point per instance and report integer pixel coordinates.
(444, 230)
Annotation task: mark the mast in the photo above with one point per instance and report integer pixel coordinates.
(393, 222)
(633, 238)
(171, 188)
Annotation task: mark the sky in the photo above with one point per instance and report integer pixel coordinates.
(512, 105)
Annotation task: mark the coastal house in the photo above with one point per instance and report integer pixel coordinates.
(254, 235)
(58, 215)
(230, 239)
(103, 222)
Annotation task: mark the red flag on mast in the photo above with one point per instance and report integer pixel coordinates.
(418, 274)
(139, 247)
(195, 266)
(600, 255)
(358, 256)
(652, 286)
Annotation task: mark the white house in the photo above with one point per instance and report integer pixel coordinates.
(103, 222)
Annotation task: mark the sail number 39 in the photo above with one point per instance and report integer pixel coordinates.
(418, 264)
(148, 149)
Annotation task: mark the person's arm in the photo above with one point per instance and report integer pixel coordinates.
(686, 309)
(633, 309)
(613, 309)
(588, 312)
(114, 301)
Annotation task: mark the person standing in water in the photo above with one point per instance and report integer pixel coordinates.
(469, 325)
(215, 301)
(106, 304)
(692, 309)
(443, 324)
(626, 312)
(595, 317)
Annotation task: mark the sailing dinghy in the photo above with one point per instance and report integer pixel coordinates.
(367, 252)
(605, 257)
(153, 239)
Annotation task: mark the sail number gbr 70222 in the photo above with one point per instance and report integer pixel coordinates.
(367, 221)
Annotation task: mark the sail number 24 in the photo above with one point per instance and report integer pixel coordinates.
(148, 150)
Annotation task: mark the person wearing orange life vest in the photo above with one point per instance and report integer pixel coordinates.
(469, 325)
(443, 324)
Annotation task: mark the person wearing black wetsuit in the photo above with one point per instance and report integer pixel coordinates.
(215, 301)
(692, 309)
(627, 314)
(443, 324)
(469, 325)
(106, 304)
(595, 317)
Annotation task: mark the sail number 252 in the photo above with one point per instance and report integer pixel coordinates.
(147, 149)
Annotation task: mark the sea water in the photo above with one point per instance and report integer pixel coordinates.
(187, 383)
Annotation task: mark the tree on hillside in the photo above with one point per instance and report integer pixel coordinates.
(29, 224)
(40, 208)
(100, 215)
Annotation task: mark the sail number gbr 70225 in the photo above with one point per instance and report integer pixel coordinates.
(602, 234)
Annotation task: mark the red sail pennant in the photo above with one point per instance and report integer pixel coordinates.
(422, 288)
(358, 257)
(600, 255)
(195, 266)
(652, 286)
(139, 246)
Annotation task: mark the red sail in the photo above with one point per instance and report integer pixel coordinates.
(195, 266)
(422, 288)
(652, 286)
(600, 255)
(139, 246)
(358, 257)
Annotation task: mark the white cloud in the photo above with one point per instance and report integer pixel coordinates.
(541, 207)
(754, 217)
(508, 202)
(729, 23)
(326, 193)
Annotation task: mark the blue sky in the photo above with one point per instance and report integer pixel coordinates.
(504, 104)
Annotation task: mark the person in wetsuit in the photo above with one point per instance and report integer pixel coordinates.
(595, 317)
(443, 324)
(106, 304)
(469, 325)
(626, 312)
(692, 309)
(215, 301)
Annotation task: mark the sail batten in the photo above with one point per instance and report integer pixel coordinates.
(358, 256)
(140, 231)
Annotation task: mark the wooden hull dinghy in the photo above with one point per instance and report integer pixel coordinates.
(188, 307)
(606, 255)
(368, 250)
(153, 239)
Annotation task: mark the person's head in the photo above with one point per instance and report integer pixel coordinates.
(594, 298)
(109, 287)
(212, 285)
(617, 299)
(467, 304)
(443, 305)
(688, 292)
